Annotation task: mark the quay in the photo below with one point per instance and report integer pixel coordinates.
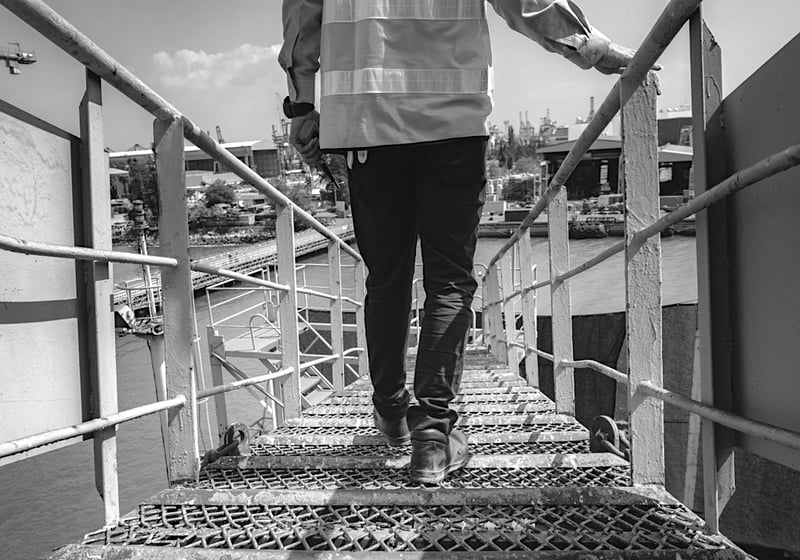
(243, 260)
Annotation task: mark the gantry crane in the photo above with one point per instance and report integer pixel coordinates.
(15, 57)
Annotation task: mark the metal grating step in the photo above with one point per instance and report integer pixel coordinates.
(542, 525)
(482, 471)
(501, 394)
(379, 448)
(330, 479)
(552, 431)
(473, 409)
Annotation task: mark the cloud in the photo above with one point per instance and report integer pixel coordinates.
(243, 66)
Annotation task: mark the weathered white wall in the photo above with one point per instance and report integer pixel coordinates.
(40, 386)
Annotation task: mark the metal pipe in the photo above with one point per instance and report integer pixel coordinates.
(322, 295)
(322, 360)
(234, 385)
(727, 419)
(52, 26)
(208, 269)
(532, 350)
(353, 350)
(614, 374)
(664, 30)
(97, 425)
(16, 245)
(354, 302)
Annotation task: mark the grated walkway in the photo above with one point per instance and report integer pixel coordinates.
(326, 486)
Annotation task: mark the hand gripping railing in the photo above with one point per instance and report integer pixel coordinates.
(636, 97)
(170, 129)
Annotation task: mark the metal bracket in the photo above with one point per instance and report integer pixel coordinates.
(606, 437)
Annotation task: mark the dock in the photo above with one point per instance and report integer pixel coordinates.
(244, 260)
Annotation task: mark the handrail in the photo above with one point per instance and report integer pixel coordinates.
(89, 427)
(16, 245)
(664, 30)
(219, 389)
(727, 419)
(58, 30)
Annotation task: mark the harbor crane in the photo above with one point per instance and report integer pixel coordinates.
(15, 57)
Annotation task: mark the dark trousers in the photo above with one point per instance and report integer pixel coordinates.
(434, 193)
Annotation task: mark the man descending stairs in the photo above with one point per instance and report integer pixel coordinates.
(328, 486)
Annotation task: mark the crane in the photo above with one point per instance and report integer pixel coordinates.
(220, 139)
(15, 57)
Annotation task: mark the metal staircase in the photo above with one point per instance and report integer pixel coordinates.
(326, 486)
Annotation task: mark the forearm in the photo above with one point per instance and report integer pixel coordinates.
(299, 56)
(558, 25)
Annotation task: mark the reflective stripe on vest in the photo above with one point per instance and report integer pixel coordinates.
(403, 71)
(398, 80)
(348, 11)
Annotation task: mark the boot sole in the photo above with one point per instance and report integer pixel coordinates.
(437, 477)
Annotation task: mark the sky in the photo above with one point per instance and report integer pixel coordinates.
(217, 61)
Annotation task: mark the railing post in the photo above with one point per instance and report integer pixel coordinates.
(507, 283)
(561, 302)
(337, 327)
(639, 175)
(529, 328)
(183, 462)
(713, 310)
(496, 341)
(216, 345)
(359, 272)
(290, 332)
(97, 202)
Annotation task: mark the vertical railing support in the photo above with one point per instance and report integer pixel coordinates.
(497, 344)
(713, 309)
(561, 302)
(510, 319)
(360, 276)
(183, 462)
(337, 327)
(102, 363)
(216, 345)
(639, 174)
(290, 332)
(529, 327)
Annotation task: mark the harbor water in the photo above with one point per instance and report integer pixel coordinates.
(50, 500)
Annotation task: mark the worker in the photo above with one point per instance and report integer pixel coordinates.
(405, 93)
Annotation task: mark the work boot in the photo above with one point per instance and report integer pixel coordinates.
(435, 455)
(395, 430)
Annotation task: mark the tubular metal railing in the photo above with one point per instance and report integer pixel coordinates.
(634, 94)
(171, 128)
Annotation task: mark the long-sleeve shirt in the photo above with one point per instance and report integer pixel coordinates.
(557, 25)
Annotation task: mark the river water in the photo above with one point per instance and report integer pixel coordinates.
(50, 500)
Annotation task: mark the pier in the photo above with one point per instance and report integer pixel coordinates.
(242, 260)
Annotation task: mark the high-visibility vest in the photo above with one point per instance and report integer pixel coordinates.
(403, 71)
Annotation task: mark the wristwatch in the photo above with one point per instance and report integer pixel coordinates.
(292, 109)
